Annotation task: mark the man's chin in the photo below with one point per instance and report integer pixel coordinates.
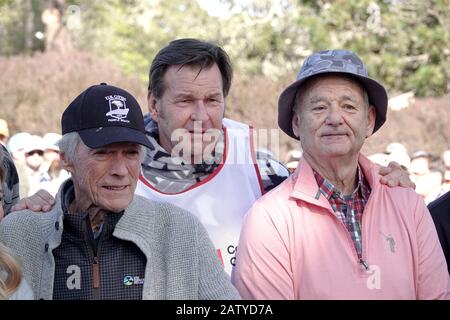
(336, 152)
(116, 210)
(198, 156)
(117, 206)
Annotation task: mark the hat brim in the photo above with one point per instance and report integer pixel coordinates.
(103, 136)
(376, 92)
(33, 149)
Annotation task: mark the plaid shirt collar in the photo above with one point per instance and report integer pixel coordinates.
(362, 189)
(348, 209)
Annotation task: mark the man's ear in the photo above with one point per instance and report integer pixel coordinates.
(295, 127)
(66, 164)
(152, 106)
(371, 116)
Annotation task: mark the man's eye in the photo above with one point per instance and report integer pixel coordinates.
(100, 152)
(133, 154)
(318, 108)
(349, 107)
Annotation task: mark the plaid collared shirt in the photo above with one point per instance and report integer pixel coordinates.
(348, 209)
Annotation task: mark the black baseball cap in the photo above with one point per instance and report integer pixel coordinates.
(104, 114)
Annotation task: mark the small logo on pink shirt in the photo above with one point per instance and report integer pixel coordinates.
(391, 241)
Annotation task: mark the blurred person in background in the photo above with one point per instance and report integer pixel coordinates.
(16, 147)
(12, 286)
(428, 183)
(271, 168)
(293, 158)
(396, 147)
(9, 183)
(380, 159)
(53, 172)
(397, 152)
(4, 132)
(34, 158)
(446, 181)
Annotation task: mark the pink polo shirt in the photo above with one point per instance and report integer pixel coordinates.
(292, 246)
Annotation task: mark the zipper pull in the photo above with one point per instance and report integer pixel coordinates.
(96, 273)
(364, 264)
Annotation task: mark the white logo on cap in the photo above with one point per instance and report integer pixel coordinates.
(118, 110)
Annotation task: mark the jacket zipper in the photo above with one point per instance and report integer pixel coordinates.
(96, 278)
(361, 259)
(94, 249)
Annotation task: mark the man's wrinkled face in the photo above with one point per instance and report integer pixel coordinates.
(106, 177)
(192, 101)
(333, 118)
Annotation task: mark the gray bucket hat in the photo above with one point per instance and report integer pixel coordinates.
(332, 61)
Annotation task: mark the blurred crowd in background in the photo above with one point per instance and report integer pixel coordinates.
(430, 173)
(36, 158)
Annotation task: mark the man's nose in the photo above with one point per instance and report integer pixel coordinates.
(200, 112)
(334, 117)
(119, 166)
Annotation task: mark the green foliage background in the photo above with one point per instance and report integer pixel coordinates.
(406, 43)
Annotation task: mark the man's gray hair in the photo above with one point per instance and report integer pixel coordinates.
(68, 145)
(69, 142)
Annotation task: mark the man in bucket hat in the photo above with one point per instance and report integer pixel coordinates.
(100, 241)
(331, 230)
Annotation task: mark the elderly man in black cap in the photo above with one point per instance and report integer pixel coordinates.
(100, 241)
(332, 230)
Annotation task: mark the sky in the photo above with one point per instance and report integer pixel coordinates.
(214, 7)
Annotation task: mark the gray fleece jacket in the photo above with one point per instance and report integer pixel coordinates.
(181, 260)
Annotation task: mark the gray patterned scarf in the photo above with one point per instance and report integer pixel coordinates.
(169, 174)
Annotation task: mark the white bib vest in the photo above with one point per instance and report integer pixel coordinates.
(222, 199)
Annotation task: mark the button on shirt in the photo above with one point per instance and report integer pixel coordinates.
(348, 209)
